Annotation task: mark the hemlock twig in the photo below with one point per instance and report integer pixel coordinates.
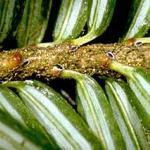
(90, 59)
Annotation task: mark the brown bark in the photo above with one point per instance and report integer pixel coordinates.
(89, 59)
